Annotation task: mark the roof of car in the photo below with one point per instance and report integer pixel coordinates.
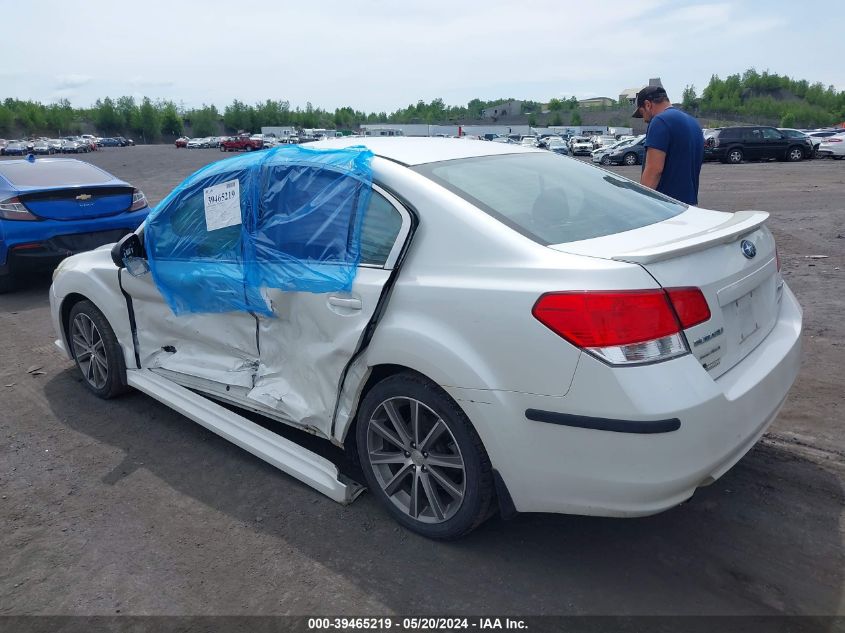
(420, 150)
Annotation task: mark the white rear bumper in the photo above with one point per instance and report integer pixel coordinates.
(550, 467)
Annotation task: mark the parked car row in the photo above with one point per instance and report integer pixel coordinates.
(66, 145)
(240, 142)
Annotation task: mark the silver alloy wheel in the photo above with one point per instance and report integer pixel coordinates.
(416, 460)
(631, 159)
(605, 160)
(89, 349)
(796, 154)
(735, 156)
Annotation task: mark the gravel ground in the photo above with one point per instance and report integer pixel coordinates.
(127, 507)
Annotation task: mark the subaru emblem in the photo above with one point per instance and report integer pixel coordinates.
(748, 249)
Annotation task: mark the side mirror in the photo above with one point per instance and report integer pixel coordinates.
(129, 253)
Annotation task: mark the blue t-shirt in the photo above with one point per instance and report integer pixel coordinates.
(679, 135)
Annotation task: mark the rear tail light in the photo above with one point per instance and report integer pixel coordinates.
(832, 140)
(13, 209)
(690, 306)
(624, 327)
(139, 201)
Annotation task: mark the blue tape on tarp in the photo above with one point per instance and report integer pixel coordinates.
(287, 218)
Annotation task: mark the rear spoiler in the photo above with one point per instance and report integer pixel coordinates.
(741, 223)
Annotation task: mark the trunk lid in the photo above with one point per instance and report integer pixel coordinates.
(78, 203)
(729, 256)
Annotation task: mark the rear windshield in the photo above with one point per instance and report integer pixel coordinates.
(55, 173)
(552, 199)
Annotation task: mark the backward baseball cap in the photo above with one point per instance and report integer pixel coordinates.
(649, 93)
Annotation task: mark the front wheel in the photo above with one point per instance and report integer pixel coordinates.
(249, 148)
(605, 160)
(630, 159)
(422, 458)
(735, 156)
(96, 351)
(795, 154)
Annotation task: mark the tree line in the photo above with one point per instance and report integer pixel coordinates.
(151, 120)
(768, 97)
(750, 96)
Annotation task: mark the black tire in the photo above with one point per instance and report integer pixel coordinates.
(7, 283)
(631, 159)
(477, 502)
(249, 148)
(734, 156)
(222, 149)
(605, 160)
(114, 382)
(795, 154)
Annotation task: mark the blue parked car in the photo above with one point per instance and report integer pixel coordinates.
(54, 207)
(109, 142)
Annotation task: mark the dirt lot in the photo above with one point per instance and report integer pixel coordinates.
(127, 507)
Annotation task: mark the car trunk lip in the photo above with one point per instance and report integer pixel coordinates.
(78, 203)
(693, 230)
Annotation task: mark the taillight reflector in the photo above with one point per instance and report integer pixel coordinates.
(690, 306)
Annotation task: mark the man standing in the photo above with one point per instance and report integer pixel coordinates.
(674, 146)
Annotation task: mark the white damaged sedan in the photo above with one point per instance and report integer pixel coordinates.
(524, 333)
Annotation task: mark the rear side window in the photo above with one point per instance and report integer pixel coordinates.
(378, 235)
(770, 134)
(550, 198)
(53, 173)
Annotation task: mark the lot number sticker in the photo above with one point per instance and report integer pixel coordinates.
(222, 205)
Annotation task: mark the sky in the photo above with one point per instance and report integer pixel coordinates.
(377, 55)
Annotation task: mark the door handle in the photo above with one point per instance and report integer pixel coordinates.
(350, 303)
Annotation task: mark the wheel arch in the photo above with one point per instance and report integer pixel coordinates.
(345, 433)
(96, 285)
(502, 502)
(443, 360)
(64, 314)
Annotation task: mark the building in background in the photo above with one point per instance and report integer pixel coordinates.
(508, 108)
(629, 95)
(597, 102)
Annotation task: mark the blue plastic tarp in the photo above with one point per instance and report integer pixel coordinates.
(287, 218)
